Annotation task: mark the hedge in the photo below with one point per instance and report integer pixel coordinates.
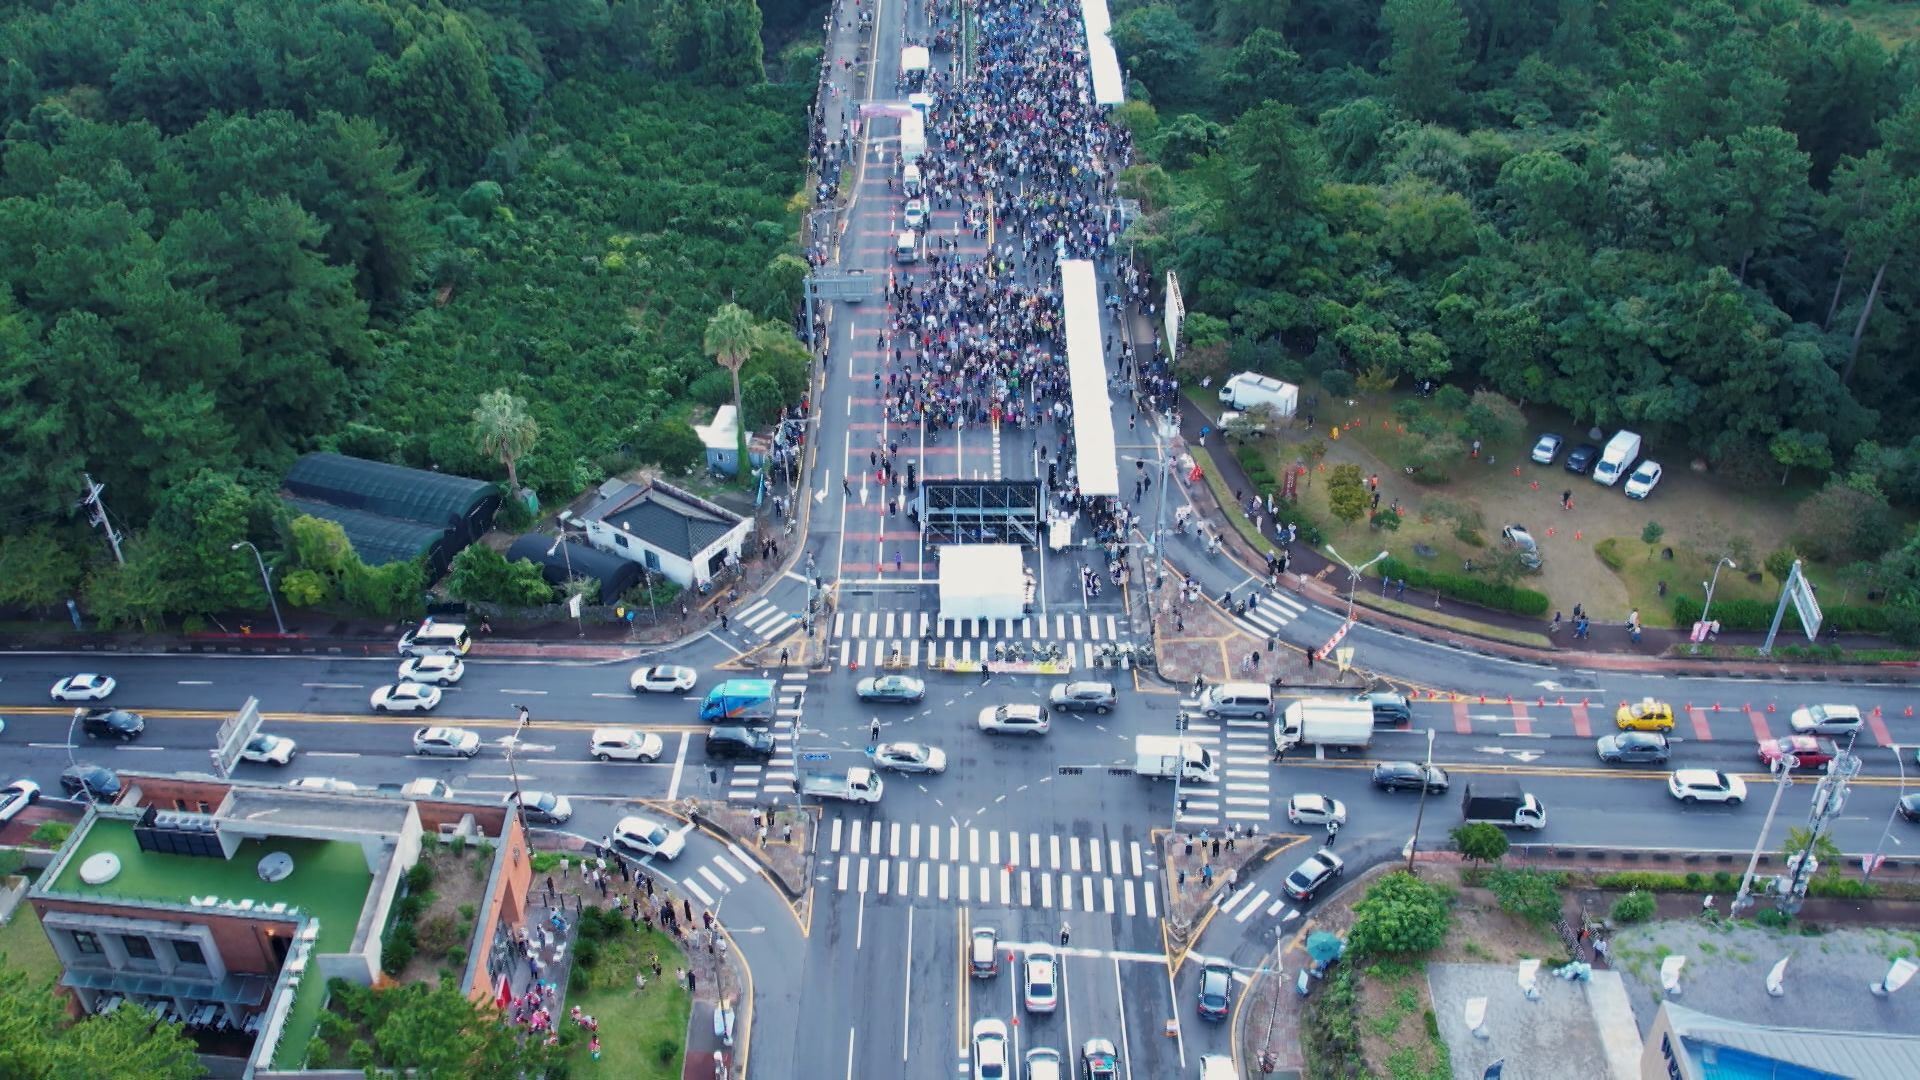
(1722, 881)
(1743, 614)
(1473, 590)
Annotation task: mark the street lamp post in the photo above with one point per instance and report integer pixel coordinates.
(265, 579)
(1708, 605)
(1892, 815)
(513, 769)
(73, 730)
(560, 545)
(1420, 814)
(1353, 575)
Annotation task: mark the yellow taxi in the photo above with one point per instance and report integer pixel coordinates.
(1647, 715)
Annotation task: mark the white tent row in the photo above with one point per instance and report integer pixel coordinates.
(1087, 370)
(1102, 62)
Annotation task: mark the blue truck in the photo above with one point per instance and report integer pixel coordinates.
(739, 701)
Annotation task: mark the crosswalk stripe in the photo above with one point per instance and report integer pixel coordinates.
(1033, 849)
(738, 877)
(718, 885)
(913, 842)
(1006, 886)
(1147, 892)
(986, 884)
(1026, 888)
(993, 847)
(845, 866)
(1093, 854)
(922, 892)
(1066, 892)
(1274, 908)
(943, 881)
(973, 845)
(964, 878)
(880, 877)
(1251, 906)
(1106, 891)
(854, 830)
(893, 840)
(1046, 889)
(694, 887)
(1127, 893)
(1086, 891)
(873, 839)
(1134, 846)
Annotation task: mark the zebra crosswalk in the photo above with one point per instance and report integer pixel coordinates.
(748, 781)
(1007, 867)
(1249, 900)
(1244, 790)
(712, 879)
(1270, 612)
(762, 619)
(921, 638)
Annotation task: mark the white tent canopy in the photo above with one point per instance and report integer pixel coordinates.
(1102, 63)
(1087, 367)
(982, 581)
(915, 58)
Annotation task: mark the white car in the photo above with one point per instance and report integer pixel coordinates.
(1316, 810)
(1017, 719)
(990, 1051)
(268, 750)
(84, 687)
(914, 215)
(663, 679)
(909, 757)
(643, 835)
(1641, 483)
(1041, 992)
(1707, 785)
(322, 783)
(445, 742)
(438, 670)
(626, 744)
(1043, 1063)
(1546, 449)
(406, 697)
(16, 797)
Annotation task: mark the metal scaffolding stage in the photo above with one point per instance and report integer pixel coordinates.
(982, 512)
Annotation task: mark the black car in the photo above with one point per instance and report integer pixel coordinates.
(1406, 776)
(1909, 807)
(1389, 708)
(112, 724)
(1634, 748)
(1581, 460)
(1216, 991)
(739, 742)
(96, 781)
(1093, 697)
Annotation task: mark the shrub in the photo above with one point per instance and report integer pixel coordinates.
(397, 950)
(577, 980)
(1608, 551)
(437, 933)
(664, 1049)
(1643, 881)
(420, 877)
(457, 956)
(1469, 535)
(360, 1055)
(1844, 888)
(1399, 914)
(1733, 613)
(1773, 918)
(586, 953)
(50, 833)
(318, 1055)
(1527, 894)
(1635, 907)
(1473, 590)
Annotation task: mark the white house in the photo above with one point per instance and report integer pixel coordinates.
(671, 532)
(722, 441)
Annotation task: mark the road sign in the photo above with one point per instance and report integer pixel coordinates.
(815, 755)
(1807, 604)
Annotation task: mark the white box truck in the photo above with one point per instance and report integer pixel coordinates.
(1159, 757)
(913, 137)
(1343, 723)
(1617, 459)
(1250, 389)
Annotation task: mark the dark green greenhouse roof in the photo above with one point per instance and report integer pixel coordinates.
(419, 495)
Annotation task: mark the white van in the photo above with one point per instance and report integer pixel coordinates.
(436, 639)
(1236, 700)
(910, 180)
(907, 248)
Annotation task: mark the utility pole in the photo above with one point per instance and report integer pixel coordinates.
(1784, 766)
(97, 515)
(1828, 800)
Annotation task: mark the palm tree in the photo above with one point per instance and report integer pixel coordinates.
(505, 430)
(729, 340)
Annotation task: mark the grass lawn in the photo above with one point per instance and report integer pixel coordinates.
(25, 946)
(643, 1033)
(1893, 22)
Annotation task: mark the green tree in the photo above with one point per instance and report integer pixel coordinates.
(197, 524)
(1825, 852)
(481, 573)
(729, 339)
(670, 444)
(1794, 448)
(504, 430)
(438, 94)
(1780, 563)
(36, 571)
(41, 1040)
(1492, 418)
(1428, 60)
(439, 1034)
(1347, 493)
(1400, 914)
(1262, 68)
(1277, 163)
(321, 546)
(1650, 535)
(731, 53)
(139, 592)
(1161, 49)
(1528, 894)
(1479, 842)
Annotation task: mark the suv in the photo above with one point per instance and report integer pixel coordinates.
(739, 742)
(1018, 719)
(1216, 991)
(1826, 720)
(1406, 776)
(445, 742)
(1633, 748)
(626, 744)
(112, 724)
(1093, 697)
(1389, 708)
(1580, 462)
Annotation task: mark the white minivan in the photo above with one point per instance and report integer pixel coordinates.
(906, 249)
(436, 639)
(1237, 700)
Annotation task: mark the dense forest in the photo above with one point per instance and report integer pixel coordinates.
(234, 231)
(1692, 218)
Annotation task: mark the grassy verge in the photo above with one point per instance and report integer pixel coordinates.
(1799, 654)
(643, 1032)
(1425, 613)
(1224, 496)
(24, 945)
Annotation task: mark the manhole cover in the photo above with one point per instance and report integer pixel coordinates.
(1424, 551)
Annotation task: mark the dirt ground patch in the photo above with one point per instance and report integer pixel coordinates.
(779, 839)
(459, 881)
(1698, 512)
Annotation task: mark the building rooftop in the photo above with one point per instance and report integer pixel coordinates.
(330, 879)
(723, 433)
(674, 521)
(1736, 1050)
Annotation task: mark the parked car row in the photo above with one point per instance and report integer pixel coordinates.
(1607, 466)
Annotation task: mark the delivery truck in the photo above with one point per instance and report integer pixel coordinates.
(854, 785)
(1162, 757)
(1250, 389)
(1502, 803)
(1617, 459)
(1342, 723)
(739, 701)
(913, 137)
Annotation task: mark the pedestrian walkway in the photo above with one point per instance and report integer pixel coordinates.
(1250, 900)
(706, 881)
(1244, 791)
(749, 781)
(1010, 868)
(921, 638)
(763, 619)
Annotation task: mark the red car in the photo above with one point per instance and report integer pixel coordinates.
(1813, 753)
